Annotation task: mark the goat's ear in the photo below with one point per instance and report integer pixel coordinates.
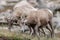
(19, 17)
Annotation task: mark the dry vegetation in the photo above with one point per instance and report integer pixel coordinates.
(7, 35)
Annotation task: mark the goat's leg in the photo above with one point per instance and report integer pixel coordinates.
(31, 30)
(37, 31)
(43, 32)
(52, 33)
(34, 31)
(48, 29)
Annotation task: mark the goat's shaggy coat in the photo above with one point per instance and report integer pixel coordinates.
(35, 18)
(40, 18)
(23, 8)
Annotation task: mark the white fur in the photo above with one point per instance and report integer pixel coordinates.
(20, 4)
(24, 4)
(25, 7)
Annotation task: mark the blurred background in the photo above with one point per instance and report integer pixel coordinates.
(6, 7)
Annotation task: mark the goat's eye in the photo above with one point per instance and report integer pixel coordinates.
(25, 16)
(19, 17)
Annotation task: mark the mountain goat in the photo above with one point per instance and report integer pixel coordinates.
(39, 19)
